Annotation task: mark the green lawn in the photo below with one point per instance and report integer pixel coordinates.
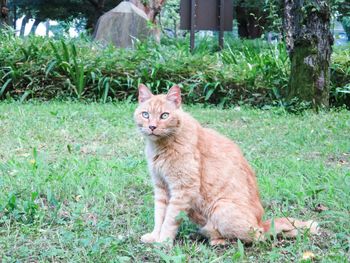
(74, 183)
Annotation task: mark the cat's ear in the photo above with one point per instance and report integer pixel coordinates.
(144, 93)
(174, 95)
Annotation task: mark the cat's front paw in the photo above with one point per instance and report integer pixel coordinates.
(149, 238)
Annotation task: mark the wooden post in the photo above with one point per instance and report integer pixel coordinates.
(193, 23)
(221, 24)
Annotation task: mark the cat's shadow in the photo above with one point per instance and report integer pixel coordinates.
(194, 236)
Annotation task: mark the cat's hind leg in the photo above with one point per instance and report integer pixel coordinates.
(215, 237)
(231, 221)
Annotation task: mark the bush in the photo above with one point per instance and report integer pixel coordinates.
(252, 72)
(340, 77)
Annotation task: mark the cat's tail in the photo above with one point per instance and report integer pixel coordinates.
(290, 227)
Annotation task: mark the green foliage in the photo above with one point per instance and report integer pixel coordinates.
(346, 25)
(170, 15)
(252, 72)
(67, 61)
(340, 77)
(75, 185)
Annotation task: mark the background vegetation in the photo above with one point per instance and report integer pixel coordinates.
(73, 178)
(250, 71)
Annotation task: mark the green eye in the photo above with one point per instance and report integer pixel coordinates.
(164, 116)
(145, 114)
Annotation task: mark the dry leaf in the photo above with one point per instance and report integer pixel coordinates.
(92, 218)
(321, 208)
(308, 255)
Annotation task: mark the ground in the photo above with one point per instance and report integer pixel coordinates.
(75, 188)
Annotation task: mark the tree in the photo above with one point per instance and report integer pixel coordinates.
(309, 43)
(251, 18)
(169, 18)
(152, 8)
(64, 10)
(98, 10)
(4, 13)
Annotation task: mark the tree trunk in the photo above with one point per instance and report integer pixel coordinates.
(14, 16)
(23, 25)
(93, 18)
(4, 14)
(242, 22)
(250, 22)
(152, 10)
(309, 42)
(256, 23)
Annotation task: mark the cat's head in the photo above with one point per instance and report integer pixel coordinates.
(158, 116)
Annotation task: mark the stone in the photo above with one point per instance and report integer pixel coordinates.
(123, 25)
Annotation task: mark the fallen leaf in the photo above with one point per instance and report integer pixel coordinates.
(64, 214)
(308, 255)
(320, 208)
(91, 218)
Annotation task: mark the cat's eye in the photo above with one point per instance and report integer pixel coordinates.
(164, 116)
(145, 114)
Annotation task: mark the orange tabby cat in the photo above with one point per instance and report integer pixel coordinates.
(202, 173)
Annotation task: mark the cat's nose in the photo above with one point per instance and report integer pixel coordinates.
(152, 128)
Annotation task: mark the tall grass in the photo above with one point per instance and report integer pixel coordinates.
(252, 72)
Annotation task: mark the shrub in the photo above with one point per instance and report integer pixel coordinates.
(340, 77)
(252, 72)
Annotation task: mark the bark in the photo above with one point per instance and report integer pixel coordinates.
(309, 41)
(152, 10)
(288, 24)
(15, 17)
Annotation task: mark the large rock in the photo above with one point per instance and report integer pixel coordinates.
(122, 25)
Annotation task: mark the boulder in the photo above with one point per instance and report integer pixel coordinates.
(122, 25)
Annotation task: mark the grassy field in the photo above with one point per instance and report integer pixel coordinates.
(74, 184)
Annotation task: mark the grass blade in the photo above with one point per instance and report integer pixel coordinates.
(3, 88)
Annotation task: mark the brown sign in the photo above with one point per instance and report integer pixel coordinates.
(206, 14)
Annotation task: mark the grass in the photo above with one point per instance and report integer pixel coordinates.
(75, 188)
